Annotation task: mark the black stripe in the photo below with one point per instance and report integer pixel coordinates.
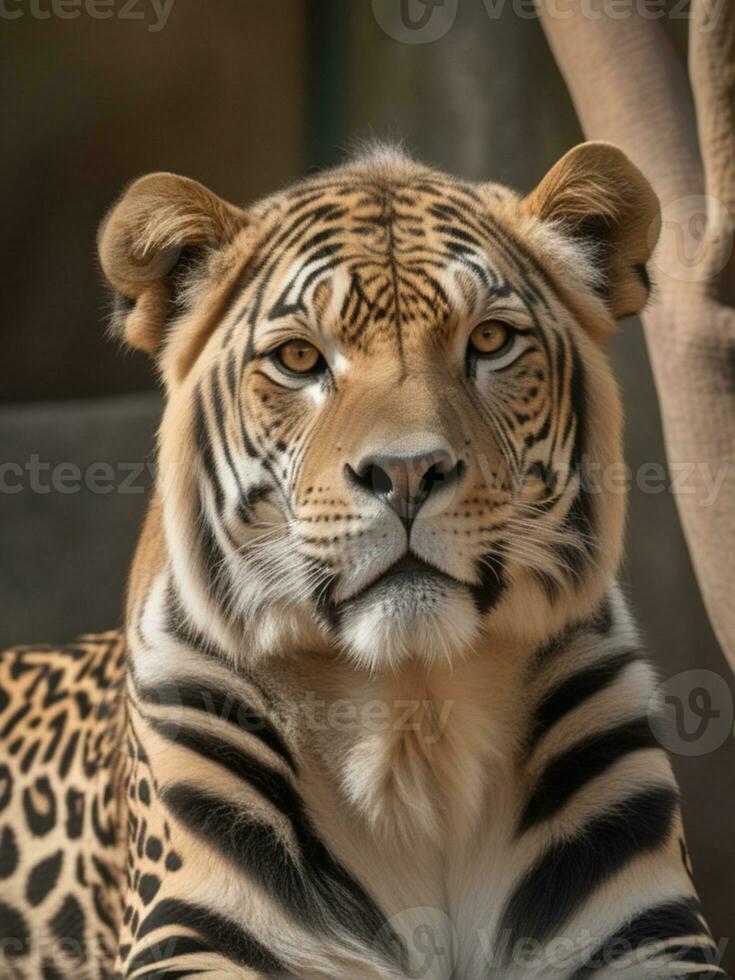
(671, 920)
(461, 234)
(604, 619)
(167, 949)
(571, 771)
(204, 446)
(579, 408)
(221, 427)
(570, 870)
(158, 974)
(281, 307)
(315, 890)
(581, 515)
(220, 933)
(493, 582)
(261, 777)
(573, 691)
(214, 561)
(580, 520)
(223, 706)
(684, 953)
(178, 626)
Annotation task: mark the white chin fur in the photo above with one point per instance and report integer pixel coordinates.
(394, 623)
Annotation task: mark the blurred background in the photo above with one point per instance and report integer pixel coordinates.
(245, 96)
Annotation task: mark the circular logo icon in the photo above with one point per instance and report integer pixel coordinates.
(692, 713)
(424, 938)
(696, 238)
(415, 21)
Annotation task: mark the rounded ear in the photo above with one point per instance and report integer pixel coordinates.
(596, 195)
(149, 242)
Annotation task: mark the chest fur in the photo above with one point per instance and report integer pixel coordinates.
(418, 759)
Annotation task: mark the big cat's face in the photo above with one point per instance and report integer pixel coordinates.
(406, 426)
(387, 390)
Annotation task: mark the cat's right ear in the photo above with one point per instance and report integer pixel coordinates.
(151, 242)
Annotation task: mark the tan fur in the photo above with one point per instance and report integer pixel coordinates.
(333, 758)
(142, 237)
(597, 181)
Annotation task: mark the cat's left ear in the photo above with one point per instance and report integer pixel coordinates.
(596, 195)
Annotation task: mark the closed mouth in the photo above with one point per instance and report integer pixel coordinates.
(408, 570)
(413, 566)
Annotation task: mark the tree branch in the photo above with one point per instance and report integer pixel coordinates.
(712, 73)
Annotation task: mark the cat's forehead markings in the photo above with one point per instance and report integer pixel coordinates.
(339, 281)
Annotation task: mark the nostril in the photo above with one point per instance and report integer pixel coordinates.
(371, 477)
(429, 479)
(377, 480)
(441, 474)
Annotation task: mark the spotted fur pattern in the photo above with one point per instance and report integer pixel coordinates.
(360, 736)
(61, 884)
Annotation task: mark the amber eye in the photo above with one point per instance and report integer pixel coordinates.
(490, 337)
(298, 356)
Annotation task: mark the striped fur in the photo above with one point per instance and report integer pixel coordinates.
(362, 773)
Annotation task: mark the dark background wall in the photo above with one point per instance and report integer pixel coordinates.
(245, 96)
(218, 94)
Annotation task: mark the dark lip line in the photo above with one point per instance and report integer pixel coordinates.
(411, 562)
